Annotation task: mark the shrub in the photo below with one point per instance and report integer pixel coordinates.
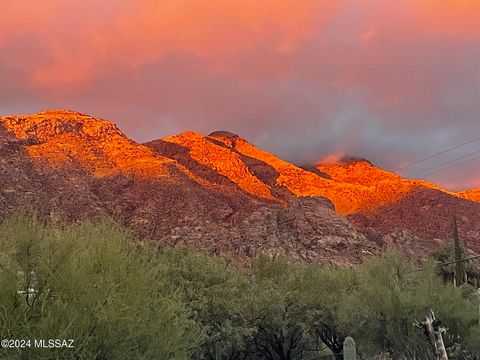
(88, 283)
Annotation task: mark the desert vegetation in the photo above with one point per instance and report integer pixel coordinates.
(120, 297)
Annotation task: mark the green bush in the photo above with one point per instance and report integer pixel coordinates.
(218, 295)
(121, 298)
(88, 283)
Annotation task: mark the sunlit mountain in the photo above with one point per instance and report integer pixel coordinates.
(221, 194)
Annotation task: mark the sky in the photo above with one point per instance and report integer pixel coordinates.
(391, 81)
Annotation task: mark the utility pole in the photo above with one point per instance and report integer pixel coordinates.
(431, 327)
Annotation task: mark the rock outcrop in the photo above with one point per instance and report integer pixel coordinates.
(220, 194)
(188, 189)
(307, 229)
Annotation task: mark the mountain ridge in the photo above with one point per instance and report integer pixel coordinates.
(221, 194)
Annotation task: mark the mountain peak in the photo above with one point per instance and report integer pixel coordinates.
(353, 159)
(65, 137)
(219, 155)
(224, 134)
(228, 138)
(218, 191)
(49, 124)
(190, 135)
(57, 112)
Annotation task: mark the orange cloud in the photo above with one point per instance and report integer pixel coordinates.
(448, 17)
(314, 75)
(80, 38)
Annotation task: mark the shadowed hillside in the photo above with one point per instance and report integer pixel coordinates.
(219, 193)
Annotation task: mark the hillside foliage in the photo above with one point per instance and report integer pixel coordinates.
(122, 298)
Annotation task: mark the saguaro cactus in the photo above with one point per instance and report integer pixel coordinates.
(460, 272)
(349, 349)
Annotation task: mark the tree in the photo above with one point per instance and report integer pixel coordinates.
(324, 290)
(91, 283)
(219, 295)
(281, 312)
(391, 294)
(444, 256)
(121, 298)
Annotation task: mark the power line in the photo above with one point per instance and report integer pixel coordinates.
(459, 261)
(444, 163)
(436, 154)
(446, 263)
(452, 166)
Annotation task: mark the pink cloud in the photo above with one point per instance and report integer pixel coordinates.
(334, 158)
(83, 37)
(387, 82)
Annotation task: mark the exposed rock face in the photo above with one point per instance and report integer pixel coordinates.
(419, 208)
(348, 197)
(221, 160)
(473, 194)
(62, 138)
(218, 193)
(372, 198)
(306, 229)
(24, 184)
(426, 213)
(187, 189)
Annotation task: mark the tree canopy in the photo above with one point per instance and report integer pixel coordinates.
(122, 298)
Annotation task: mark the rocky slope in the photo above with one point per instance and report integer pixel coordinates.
(220, 194)
(422, 208)
(70, 165)
(412, 214)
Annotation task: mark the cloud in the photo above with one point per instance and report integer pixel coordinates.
(301, 79)
(334, 158)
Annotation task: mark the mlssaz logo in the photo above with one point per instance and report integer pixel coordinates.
(55, 343)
